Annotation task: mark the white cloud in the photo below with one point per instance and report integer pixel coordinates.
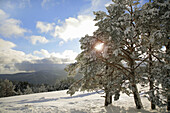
(3, 15)
(42, 52)
(9, 5)
(12, 4)
(49, 3)
(45, 27)
(9, 26)
(44, 2)
(108, 3)
(96, 5)
(9, 56)
(24, 3)
(61, 43)
(6, 44)
(74, 28)
(67, 54)
(40, 39)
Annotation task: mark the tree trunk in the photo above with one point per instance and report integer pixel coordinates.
(108, 98)
(117, 95)
(168, 61)
(151, 83)
(137, 98)
(153, 106)
(168, 102)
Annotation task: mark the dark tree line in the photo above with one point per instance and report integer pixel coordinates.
(11, 88)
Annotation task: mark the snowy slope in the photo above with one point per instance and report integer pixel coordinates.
(60, 102)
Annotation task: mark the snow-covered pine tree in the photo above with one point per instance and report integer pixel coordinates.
(120, 35)
(168, 74)
(153, 27)
(6, 88)
(124, 41)
(42, 88)
(28, 90)
(19, 92)
(97, 75)
(165, 21)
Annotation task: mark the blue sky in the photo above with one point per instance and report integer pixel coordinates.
(34, 31)
(37, 31)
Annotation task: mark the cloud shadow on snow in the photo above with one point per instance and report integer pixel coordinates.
(108, 109)
(43, 99)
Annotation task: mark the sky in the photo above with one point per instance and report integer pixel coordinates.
(44, 31)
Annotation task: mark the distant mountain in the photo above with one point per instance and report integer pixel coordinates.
(45, 76)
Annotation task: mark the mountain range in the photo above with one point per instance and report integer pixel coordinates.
(45, 76)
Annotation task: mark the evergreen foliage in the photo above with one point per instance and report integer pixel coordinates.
(20, 86)
(64, 84)
(28, 90)
(132, 54)
(6, 88)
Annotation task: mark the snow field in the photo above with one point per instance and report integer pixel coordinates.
(60, 102)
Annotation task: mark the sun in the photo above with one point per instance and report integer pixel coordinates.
(99, 46)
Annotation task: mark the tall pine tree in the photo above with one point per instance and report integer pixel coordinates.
(132, 39)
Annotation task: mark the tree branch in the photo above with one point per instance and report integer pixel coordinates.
(140, 63)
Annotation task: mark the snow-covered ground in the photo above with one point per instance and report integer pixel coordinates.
(60, 102)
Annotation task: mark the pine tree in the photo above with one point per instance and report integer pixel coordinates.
(28, 90)
(19, 92)
(123, 40)
(118, 32)
(94, 80)
(132, 38)
(42, 88)
(153, 26)
(6, 88)
(168, 75)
